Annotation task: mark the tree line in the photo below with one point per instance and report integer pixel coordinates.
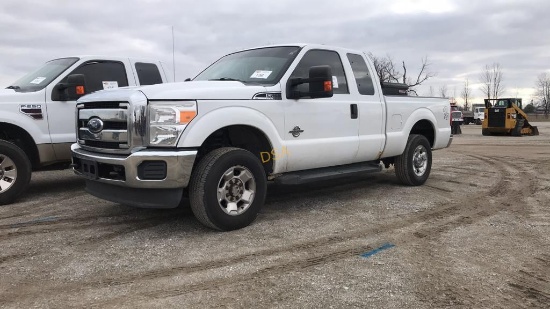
(490, 80)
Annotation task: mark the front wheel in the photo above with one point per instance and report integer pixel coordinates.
(414, 165)
(227, 189)
(15, 172)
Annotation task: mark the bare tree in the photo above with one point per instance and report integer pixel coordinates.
(443, 91)
(543, 92)
(385, 69)
(431, 92)
(388, 72)
(491, 80)
(466, 94)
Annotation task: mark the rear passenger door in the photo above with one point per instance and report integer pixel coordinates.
(370, 106)
(320, 132)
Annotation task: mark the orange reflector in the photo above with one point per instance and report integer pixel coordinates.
(187, 116)
(328, 85)
(79, 89)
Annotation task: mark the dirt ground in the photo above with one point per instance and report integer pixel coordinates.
(476, 235)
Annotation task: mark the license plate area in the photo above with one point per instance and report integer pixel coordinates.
(88, 169)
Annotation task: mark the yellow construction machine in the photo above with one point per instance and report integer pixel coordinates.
(505, 117)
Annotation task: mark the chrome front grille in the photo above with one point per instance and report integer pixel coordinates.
(110, 125)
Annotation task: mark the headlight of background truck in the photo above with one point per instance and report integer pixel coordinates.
(168, 119)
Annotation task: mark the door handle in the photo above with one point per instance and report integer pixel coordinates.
(354, 112)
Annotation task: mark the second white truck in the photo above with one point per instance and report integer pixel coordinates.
(291, 113)
(37, 112)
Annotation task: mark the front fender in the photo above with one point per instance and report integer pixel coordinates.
(34, 127)
(203, 126)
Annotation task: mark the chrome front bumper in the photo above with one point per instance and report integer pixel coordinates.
(179, 166)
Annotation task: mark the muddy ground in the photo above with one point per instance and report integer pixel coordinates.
(477, 234)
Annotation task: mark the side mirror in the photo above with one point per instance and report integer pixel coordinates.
(320, 84)
(73, 89)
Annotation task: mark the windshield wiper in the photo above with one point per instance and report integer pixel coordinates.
(227, 79)
(13, 87)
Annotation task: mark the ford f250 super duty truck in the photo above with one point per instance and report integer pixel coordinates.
(290, 114)
(37, 112)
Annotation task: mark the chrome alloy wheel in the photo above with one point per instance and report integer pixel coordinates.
(8, 173)
(420, 160)
(236, 190)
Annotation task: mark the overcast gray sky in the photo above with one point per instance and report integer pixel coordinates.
(459, 36)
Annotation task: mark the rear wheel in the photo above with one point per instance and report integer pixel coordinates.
(15, 172)
(227, 189)
(414, 165)
(478, 121)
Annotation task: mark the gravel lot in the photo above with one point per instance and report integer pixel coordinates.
(477, 234)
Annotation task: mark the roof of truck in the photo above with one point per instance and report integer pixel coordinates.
(311, 45)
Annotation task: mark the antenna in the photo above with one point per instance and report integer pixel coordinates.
(173, 54)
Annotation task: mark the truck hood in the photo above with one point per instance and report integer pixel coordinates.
(199, 90)
(12, 96)
(202, 90)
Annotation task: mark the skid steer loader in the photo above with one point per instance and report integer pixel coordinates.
(505, 117)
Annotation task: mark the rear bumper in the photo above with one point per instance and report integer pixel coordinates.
(117, 178)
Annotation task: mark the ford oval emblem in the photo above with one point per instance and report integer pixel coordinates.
(95, 125)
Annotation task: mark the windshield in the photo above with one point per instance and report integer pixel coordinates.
(40, 78)
(257, 66)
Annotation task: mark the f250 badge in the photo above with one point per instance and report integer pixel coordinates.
(32, 110)
(446, 113)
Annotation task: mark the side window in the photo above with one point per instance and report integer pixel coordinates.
(322, 57)
(97, 72)
(361, 73)
(148, 73)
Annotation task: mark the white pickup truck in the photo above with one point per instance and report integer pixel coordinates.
(289, 113)
(37, 112)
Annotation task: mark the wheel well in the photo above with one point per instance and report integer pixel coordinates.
(240, 136)
(22, 139)
(424, 127)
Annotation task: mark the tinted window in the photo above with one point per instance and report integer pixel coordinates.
(322, 57)
(361, 73)
(97, 72)
(148, 73)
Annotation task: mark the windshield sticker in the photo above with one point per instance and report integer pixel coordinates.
(261, 74)
(37, 80)
(334, 82)
(110, 85)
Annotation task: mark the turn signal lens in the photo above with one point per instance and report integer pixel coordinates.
(328, 86)
(80, 90)
(187, 116)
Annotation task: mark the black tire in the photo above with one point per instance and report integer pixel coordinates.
(478, 121)
(205, 185)
(517, 129)
(408, 167)
(15, 172)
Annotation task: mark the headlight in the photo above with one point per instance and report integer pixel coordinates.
(168, 119)
(513, 116)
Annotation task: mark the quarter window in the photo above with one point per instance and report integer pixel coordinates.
(148, 74)
(322, 57)
(361, 73)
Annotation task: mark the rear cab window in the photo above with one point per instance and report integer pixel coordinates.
(148, 73)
